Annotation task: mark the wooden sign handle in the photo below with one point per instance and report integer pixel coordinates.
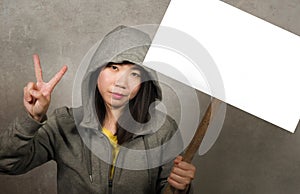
(197, 139)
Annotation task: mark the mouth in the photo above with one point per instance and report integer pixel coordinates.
(117, 96)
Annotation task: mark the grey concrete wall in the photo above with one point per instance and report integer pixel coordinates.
(250, 156)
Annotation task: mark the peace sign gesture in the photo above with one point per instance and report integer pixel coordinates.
(37, 95)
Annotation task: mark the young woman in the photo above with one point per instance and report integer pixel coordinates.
(104, 145)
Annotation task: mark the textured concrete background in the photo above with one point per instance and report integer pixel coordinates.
(250, 156)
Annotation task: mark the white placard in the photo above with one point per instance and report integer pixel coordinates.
(259, 62)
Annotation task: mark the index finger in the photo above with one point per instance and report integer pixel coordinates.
(37, 68)
(186, 166)
(52, 83)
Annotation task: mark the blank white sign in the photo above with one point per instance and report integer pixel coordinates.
(259, 62)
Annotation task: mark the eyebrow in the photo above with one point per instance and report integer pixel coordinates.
(136, 67)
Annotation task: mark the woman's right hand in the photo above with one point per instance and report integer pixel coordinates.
(37, 95)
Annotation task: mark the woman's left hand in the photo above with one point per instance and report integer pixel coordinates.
(182, 174)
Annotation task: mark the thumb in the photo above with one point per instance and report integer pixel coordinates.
(36, 94)
(178, 159)
(43, 100)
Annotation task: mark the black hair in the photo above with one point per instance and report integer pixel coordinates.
(138, 108)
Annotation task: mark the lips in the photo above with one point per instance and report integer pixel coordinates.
(117, 96)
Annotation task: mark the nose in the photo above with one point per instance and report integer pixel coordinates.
(122, 81)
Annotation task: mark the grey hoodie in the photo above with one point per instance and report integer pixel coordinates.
(72, 136)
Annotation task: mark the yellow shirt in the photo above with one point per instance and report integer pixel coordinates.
(114, 142)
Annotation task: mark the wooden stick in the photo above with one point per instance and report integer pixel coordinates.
(197, 139)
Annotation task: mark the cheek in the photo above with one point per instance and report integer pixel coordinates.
(102, 82)
(105, 78)
(134, 91)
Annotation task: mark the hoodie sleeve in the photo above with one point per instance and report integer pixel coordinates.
(165, 169)
(25, 144)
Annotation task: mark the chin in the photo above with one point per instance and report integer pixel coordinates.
(118, 104)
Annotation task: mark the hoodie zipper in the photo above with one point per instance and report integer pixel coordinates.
(110, 183)
(88, 153)
(111, 177)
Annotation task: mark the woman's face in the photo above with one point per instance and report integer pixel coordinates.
(119, 83)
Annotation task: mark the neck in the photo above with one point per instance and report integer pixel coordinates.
(111, 117)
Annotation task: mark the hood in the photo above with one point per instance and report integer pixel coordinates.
(121, 44)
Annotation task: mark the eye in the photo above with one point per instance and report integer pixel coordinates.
(136, 74)
(114, 67)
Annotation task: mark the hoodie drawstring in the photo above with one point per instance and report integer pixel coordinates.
(88, 155)
(89, 163)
